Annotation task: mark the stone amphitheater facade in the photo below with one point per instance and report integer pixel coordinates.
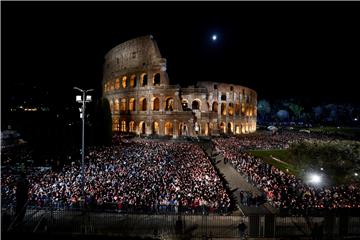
(143, 102)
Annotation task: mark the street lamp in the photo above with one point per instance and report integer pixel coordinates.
(83, 99)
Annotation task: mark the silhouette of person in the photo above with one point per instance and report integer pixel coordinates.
(242, 228)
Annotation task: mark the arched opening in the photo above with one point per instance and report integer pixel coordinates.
(155, 128)
(115, 124)
(237, 129)
(197, 128)
(230, 128)
(132, 126)
(168, 128)
(142, 127)
(112, 106)
(156, 104)
(133, 81)
(223, 127)
(144, 80)
(195, 105)
(243, 109)
(157, 79)
(169, 104)
(237, 109)
(223, 109)
(111, 86)
(117, 83)
(123, 126)
(124, 83)
(123, 105)
(223, 97)
(184, 104)
(116, 106)
(215, 107)
(231, 109)
(143, 104)
(132, 104)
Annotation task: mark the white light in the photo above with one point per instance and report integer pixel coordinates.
(322, 169)
(355, 119)
(81, 115)
(214, 37)
(356, 174)
(88, 98)
(314, 178)
(78, 98)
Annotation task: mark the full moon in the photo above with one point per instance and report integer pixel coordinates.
(214, 37)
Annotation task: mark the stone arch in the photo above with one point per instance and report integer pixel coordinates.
(132, 126)
(111, 86)
(143, 80)
(157, 79)
(223, 127)
(142, 127)
(123, 104)
(124, 82)
(155, 128)
(183, 130)
(169, 104)
(223, 109)
(237, 109)
(231, 109)
(132, 104)
(168, 128)
(116, 106)
(115, 124)
(185, 104)
(230, 128)
(195, 105)
(111, 106)
(117, 83)
(143, 104)
(123, 126)
(215, 107)
(132, 81)
(156, 104)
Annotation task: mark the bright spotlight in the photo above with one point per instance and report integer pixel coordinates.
(214, 37)
(356, 174)
(322, 169)
(315, 179)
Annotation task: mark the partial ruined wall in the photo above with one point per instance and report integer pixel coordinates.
(137, 86)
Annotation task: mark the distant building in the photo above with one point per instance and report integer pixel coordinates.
(137, 86)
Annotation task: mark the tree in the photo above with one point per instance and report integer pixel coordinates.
(263, 109)
(296, 110)
(282, 115)
(102, 126)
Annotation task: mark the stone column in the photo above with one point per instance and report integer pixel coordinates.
(175, 129)
(161, 127)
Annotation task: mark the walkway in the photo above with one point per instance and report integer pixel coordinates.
(236, 183)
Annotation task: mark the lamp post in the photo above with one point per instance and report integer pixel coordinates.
(83, 99)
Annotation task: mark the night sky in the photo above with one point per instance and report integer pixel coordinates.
(279, 49)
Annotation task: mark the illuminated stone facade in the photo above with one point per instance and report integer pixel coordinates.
(142, 101)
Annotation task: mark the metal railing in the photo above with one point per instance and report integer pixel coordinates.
(77, 221)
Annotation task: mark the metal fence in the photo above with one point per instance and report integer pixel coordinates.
(170, 225)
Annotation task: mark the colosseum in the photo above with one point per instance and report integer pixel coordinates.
(142, 101)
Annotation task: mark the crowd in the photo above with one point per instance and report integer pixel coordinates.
(266, 140)
(283, 190)
(142, 176)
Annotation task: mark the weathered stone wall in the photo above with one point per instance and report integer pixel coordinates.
(142, 101)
